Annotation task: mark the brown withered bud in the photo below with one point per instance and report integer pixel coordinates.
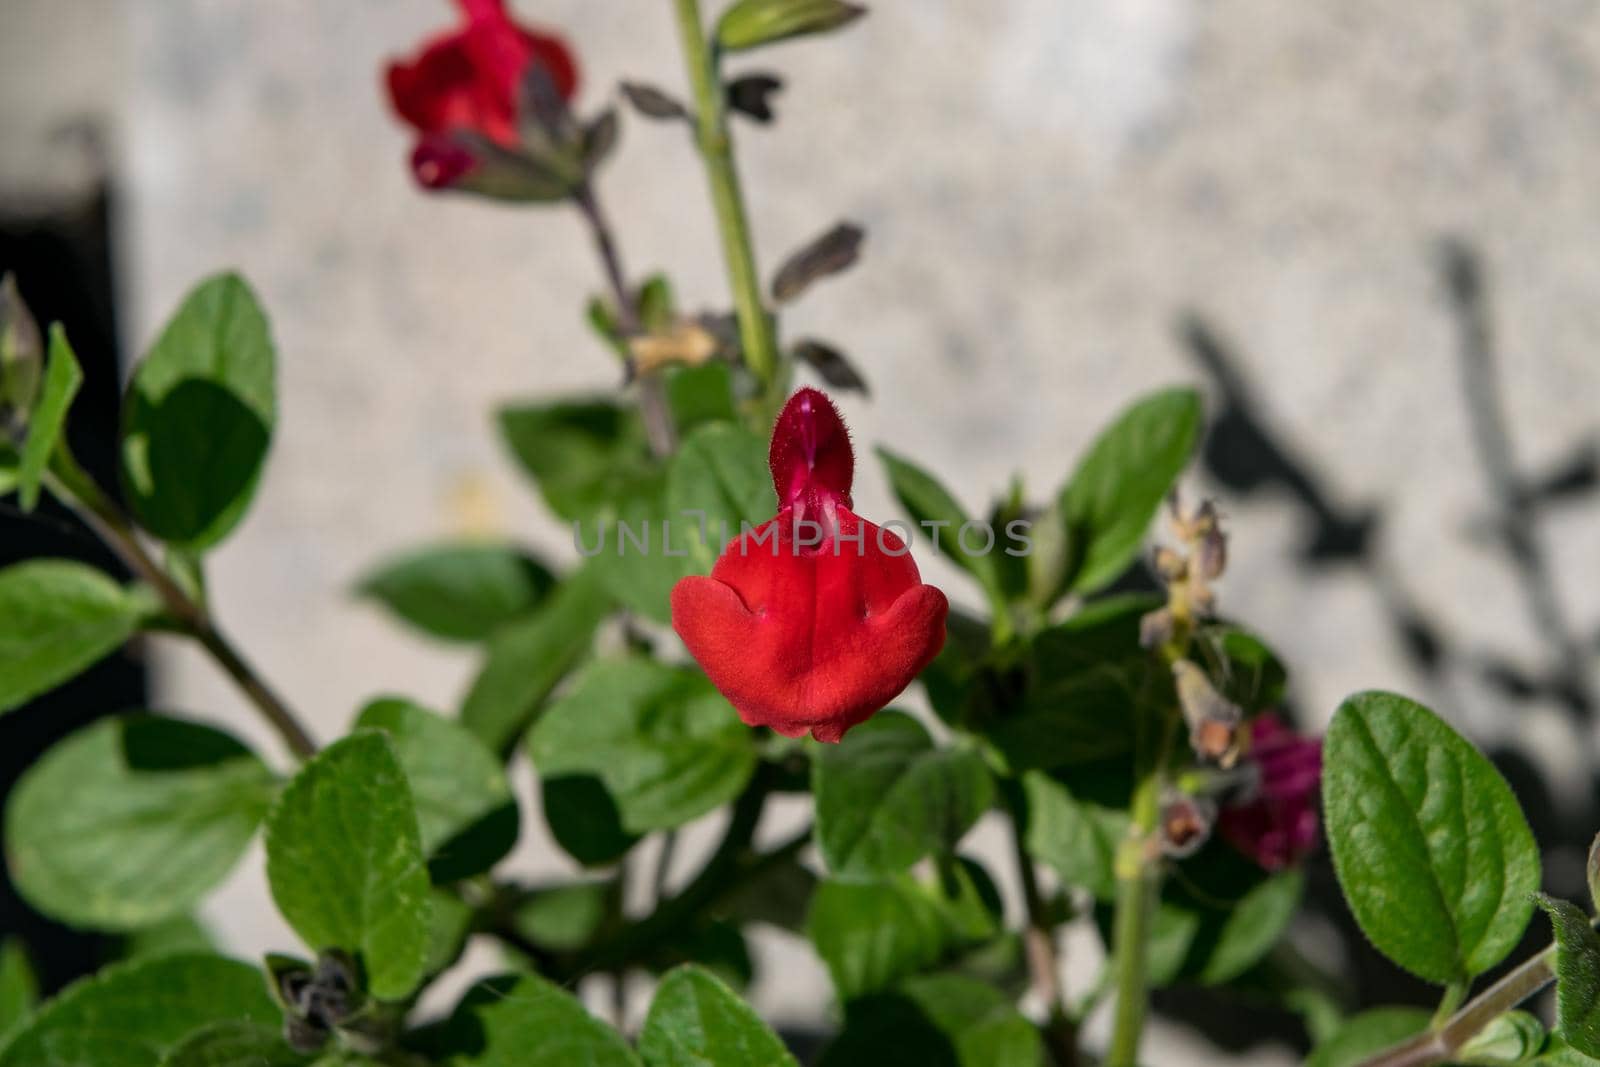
(834, 366)
(21, 355)
(752, 95)
(600, 137)
(1169, 565)
(1155, 628)
(686, 342)
(1186, 824)
(653, 103)
(1211, 554)
(1214, 722)
(831, 253)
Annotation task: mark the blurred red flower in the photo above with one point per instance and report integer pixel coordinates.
(465, 84)
(1276, 822)
(818, 618)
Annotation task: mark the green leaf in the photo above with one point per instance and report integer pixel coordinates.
(562, 918)
(62, 378)
(345, 862)
(697, 1021)
(459, 592)
(639, 554)
(528, 659)
(872, 934)
(700, 395)
(584, 819)
(1557, 1053)
(19, 988)
(1106, 506)
(664, 742)
(753, 23)
(132, 1014)
(578, 452)
(133, 820)
(721, 470)
(886, 797)
(1431, 849)
(465, 810)
(1577, 975)
(199, 415)
(945, 1019)
(1076, 828)
(1371, 1031)
(182, 933)
(58, 617)
(1220, 918)
(450, 925)
(524, 1021)
(234, 1044)
(929, 502)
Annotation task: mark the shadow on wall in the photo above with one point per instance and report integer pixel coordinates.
(1245, 456)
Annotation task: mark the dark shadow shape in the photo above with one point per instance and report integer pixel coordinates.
(477, 847)
(889, 1030)
(584, 819)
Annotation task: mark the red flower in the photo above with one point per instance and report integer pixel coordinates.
(817, 619)
(465, 85)
(1276, 823)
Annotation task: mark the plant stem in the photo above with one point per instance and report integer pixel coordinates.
(1131, 922)
(1441, 1044)
(658, 428)
(716, 149)
(1039, 942)
(70, 483)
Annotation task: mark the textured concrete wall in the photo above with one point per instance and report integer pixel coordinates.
(1048, 184)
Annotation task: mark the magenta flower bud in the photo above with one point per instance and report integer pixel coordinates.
(1276, 822)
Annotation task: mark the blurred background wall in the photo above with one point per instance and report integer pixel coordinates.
(1369, 231)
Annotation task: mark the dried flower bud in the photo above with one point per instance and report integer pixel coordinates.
(1213, 720)
(653, 103)
(685, 342)
(1169, 565)
(834, 366)
(834, 251)
(600, 137)
(1186, 823)
(1211, 554)
(1155, 628)
(752, 95)
(21, 355)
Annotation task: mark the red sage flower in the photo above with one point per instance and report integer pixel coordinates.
(818, 618)
(461, 92)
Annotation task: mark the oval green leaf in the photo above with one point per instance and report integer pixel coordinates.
(886, 797)
(345, 861)
(133, 820)
(524, 1021)
(199, 414)
(459, 592)
(465, 810)
(1577, 975)
(132, 1015)
(666, 745)
(1429, 843)
(946, 1019)
(1106, 506)
(58, 617)
(697, 1021)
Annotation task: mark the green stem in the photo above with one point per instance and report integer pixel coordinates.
(716, 149)
(1131, 922)
(72, 484)
(1138, 877)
